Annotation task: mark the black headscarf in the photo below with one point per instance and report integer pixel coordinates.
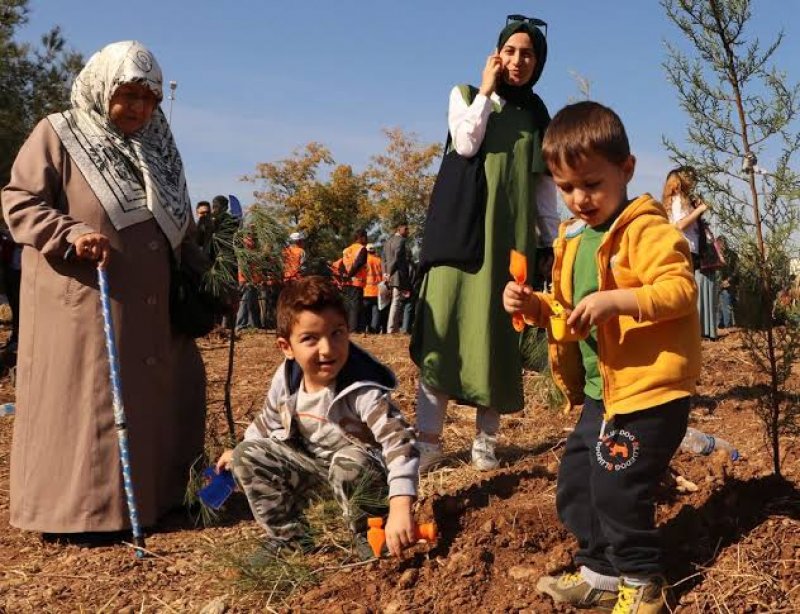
(522, 95)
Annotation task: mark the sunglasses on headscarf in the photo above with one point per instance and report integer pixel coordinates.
(531, 20)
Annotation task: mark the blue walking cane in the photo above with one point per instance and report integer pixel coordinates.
(119, 411)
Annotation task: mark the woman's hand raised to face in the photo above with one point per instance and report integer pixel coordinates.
(93, 246)
(490, 74)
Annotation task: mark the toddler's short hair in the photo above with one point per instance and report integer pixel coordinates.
(314, 293)
(581, 129)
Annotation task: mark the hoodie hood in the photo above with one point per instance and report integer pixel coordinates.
(643, 205)
(361, 368)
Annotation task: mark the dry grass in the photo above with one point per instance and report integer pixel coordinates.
(202, 514)
(540, 389)
(328, 547)
(762, 569)
(242, 563)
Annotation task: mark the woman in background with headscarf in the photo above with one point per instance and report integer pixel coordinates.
(102, 183)
(463, 341)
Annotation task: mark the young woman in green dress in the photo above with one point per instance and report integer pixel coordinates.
(463, 342)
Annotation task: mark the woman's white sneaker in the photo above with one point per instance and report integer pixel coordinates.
(483, 455)
(430, 456)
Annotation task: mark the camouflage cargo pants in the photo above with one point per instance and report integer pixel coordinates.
(279, 478)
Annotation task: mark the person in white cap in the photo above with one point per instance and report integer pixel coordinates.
(294, 257)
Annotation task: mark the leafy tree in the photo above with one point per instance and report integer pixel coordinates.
(290, 184)
(33, 82)
(327, 211)
(341, 206)
(742, 109)
(401, 179)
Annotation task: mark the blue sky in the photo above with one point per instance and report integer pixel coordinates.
(257, 79)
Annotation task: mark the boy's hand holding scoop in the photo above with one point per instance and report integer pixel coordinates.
(566, 325)
(400, 527)
(225, 461)
(521, 302)
(377, 536)
(521, 299)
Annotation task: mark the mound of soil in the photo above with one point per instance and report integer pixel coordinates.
(732, 540)
(500, 534)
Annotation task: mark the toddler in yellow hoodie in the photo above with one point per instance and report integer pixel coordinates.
(630, 354)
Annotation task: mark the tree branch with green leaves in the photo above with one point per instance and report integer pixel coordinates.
(742, 109)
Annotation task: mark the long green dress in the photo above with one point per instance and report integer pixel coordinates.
(463, 341)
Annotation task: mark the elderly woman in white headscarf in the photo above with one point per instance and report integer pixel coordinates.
(102, 183)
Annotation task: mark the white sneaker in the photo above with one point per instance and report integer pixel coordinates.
(430, 456)
(483, 456)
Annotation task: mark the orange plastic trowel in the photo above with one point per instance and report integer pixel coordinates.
(518, 268)
(376, 536)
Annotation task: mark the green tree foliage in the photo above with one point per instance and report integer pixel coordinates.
(742, 110)
(308, 191)
(327, 210)
(401, 180)
(290, 185)
(258, 246)
(340, 208)
(34, 82)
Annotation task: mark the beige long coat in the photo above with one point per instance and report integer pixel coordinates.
(65, 470)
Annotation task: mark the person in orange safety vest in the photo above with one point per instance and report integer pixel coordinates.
(250, 279)
(355, 263)
(337, 272)
(374, 276)
(294, 257)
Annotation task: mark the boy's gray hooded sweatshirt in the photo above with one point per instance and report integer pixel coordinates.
(362, 408)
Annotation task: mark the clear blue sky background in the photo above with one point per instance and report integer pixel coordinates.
(257, 78)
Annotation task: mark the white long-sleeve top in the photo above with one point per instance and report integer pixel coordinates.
(679, 209)
(467, 125)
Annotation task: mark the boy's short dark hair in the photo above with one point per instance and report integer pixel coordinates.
(581, 129)
(202, 203)
(313, 293)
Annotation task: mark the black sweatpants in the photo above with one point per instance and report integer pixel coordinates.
(353, 297)
(606, 487)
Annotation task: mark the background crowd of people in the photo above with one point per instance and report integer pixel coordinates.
(380, 282)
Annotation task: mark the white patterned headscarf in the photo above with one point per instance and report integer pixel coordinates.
(137, 177)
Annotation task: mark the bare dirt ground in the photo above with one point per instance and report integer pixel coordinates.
(733, 545)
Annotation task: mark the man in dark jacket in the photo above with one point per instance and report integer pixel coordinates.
(205, 227)
(396, 262)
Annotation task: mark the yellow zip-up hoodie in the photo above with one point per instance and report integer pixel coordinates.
(644, 361)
